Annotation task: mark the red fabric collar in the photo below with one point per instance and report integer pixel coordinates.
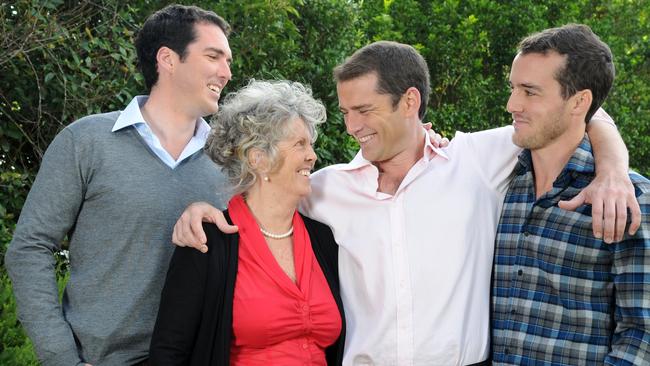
(251, 237)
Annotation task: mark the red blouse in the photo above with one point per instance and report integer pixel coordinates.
(276, 321)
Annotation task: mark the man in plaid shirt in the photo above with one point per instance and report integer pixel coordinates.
(561, 296)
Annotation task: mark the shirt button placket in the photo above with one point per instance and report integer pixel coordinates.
(403, 291)
(303, 309)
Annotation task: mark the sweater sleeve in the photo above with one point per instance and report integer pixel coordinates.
(48, 215)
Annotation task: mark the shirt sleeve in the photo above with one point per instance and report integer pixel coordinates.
(494, 154)
(48, 214)
(602, 116)
(631, 269)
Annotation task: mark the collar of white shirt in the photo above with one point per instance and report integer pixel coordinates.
(132, 116)
(360, 162)
(369, 173)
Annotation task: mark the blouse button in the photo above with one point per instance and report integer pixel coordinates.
(305, 308)
(305, 345)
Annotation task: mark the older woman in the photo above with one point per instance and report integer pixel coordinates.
(269, 294)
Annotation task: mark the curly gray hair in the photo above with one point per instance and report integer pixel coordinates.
(257, 117)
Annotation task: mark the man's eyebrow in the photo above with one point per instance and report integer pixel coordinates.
(218, 51)
(362, 106)
(527, 86)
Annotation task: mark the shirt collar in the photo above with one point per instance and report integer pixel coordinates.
(582, 160)
(131, 115)
(429, 153)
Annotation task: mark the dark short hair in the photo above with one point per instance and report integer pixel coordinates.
(397, 66)
(173, 27)
(589, 61)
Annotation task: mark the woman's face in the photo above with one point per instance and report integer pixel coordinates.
(297, 158)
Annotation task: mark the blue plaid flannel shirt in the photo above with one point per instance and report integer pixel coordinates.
(560, 296)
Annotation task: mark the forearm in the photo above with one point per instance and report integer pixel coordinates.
(609, 150)
(31, 269)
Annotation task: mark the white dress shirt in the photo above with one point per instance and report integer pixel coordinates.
(415, 266)
(132, 116)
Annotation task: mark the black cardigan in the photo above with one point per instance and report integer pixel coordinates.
(194, 325)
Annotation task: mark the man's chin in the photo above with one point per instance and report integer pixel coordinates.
(368, 155)
(211, 110)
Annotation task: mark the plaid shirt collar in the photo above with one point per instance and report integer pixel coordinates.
(581, 163)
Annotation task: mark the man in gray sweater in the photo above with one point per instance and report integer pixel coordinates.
(114, 184)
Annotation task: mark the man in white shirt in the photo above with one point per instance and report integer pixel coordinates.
(415, 223)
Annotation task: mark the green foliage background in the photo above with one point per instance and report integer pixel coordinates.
(61, 60)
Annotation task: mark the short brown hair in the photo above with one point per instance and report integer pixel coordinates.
(589, 61)
(398, 67)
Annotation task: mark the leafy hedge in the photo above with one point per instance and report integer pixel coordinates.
(61, 60)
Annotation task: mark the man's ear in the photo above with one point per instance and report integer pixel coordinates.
(166, 59)
(412, 100)
(582, 102)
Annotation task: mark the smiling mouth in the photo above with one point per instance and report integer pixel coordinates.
(366, 138)
(304, 172)
(214, 88)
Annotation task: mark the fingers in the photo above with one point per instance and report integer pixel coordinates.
(616, 204)
(186, 233)
(621, 219)
(197, 235)
(609, 220)
(438, 139)
(635, 212)
(427, 126)
(597, 220)
(574, 203)
(223, 225)
(215, 216)
(435, 138)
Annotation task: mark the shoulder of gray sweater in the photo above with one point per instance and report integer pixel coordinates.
(94, 123)
(91, 130)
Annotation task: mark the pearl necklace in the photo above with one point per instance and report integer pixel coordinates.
(269, 234)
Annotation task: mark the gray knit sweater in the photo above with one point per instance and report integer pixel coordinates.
(117, 203)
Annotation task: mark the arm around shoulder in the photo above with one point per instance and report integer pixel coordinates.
(611, 193)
